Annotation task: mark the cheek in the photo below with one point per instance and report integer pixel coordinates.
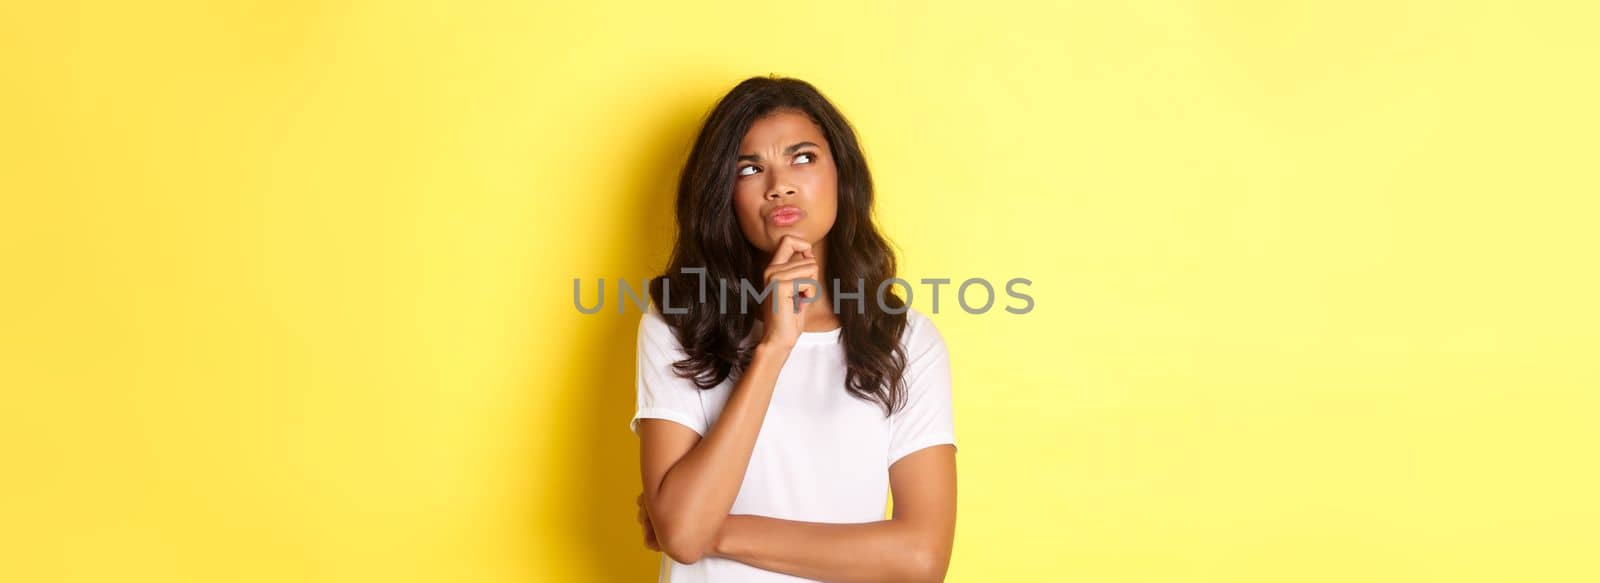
(746, 202)
(828, 201)
(747, 208)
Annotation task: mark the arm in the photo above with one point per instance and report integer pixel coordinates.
(690, 483)
(914, 545)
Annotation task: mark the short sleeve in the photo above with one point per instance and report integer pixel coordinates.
(662, 394)
(927, 418)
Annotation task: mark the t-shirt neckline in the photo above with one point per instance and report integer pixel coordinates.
(820, 337)
(823, 337)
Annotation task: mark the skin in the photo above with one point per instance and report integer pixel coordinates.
(784, 161)
(690, 481)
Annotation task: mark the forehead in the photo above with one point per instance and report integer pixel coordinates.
(780, 129)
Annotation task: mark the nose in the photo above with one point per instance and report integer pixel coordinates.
(780, 190)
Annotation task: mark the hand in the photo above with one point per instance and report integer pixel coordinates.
(791, 261)
(649, 531)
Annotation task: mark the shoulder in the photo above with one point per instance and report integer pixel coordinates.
(921, 335)
(654, 330)
(927, 364)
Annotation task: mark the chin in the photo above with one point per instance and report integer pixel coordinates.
(778, 234)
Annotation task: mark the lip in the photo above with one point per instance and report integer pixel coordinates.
(785, 215)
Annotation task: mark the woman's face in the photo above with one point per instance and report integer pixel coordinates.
(787, 183)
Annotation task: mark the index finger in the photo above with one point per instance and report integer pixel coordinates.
(788, 246)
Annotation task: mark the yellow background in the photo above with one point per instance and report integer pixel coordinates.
(287, 285)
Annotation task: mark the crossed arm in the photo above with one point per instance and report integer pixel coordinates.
(913, 545)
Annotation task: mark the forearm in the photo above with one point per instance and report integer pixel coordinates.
(697, 492)
(886, 550)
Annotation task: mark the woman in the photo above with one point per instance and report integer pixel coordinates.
(771, 436)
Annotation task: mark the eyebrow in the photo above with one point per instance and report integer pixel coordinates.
(786, 151)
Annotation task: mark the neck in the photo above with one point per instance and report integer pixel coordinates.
(819, 315)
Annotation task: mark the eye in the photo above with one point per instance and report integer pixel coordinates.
(748, 170)
(804, 158)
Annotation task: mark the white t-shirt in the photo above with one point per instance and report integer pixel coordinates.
(822, 455)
